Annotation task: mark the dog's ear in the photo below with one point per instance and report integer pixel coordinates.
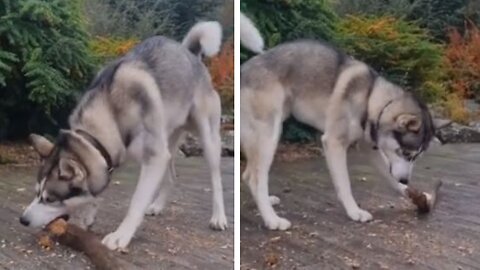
(408, 122)
(66, 170)
(439, 123)
(69, 170)
(41, 144)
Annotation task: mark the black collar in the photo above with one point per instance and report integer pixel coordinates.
(99, 146)
(374, 126)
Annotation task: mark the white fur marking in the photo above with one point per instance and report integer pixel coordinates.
(249, 35)
(208, 35)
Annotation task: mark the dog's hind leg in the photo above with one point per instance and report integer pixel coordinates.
(207, 116)
(262, 113)
(161, 196)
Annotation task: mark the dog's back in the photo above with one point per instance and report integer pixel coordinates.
(302, 66)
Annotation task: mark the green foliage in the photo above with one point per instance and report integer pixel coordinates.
(294, 131)
(399, 50)
(44, 61)
(434, 15)
(280, 21)
(396, 8)
(126, 18)
(144, 18)
(439, 15)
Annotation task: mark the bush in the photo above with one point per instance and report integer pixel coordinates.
(439, 15)
(399, 50)
(44, 62)
(280, 21)
(146, 18)
(454, 108)
(105, 49)
(396, 8)
(462, 57)
(436, 16)
(221, 69)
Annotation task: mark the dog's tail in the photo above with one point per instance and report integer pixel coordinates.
(249, 35)
(204, 38)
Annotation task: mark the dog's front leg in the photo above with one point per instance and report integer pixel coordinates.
(151, 174)
(336, 155)
(378, 163)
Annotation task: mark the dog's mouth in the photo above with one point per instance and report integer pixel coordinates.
(65, 217)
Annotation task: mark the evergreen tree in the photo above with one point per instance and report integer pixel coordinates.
(281, 21)
(44, 62)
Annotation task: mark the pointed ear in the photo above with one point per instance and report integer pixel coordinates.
(69, 170)
(66, 170)
(409, 122)
(439, 123)
(41, 144)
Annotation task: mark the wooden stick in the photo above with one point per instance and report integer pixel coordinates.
(81, 240)
(425, 202)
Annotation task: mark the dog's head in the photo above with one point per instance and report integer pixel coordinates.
(71, 173)
(404, 131)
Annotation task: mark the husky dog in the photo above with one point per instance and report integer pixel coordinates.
(139, 106)
(334, 93)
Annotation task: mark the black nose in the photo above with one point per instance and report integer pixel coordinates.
(24, 221)
(403, 181)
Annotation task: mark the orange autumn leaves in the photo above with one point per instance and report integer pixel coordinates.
(221, 69)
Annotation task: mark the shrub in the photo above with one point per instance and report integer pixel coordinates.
(399, 50)
(434, 15)
(462, 57)
(280, 21)
(439, 15)
(454, 108)
(44, 62)
(221, 69)
(108, 48)
(146, 18)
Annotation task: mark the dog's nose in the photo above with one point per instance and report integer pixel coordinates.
(404, 181)
(24, 221)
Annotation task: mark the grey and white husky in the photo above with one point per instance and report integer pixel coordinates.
(140, 105)
(334, 93)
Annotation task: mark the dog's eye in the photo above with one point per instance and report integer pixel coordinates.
(50, 199)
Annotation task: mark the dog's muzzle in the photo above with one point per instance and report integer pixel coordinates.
(24, 221)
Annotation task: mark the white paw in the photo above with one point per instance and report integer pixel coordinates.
(274, 200)
(278, 223)
(359, 215)
(218, 222)
(154, 210)
(117, 240)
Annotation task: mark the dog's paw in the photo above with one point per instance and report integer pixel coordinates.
(154, 210)
(274, 200)
(278, 223)
(359, 215)
(218, 223)
(117, 240)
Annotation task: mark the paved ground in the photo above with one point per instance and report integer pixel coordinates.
(179, 239)
(323, 237)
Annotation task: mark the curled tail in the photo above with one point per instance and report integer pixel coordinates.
(204, 38)
(249, 35)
